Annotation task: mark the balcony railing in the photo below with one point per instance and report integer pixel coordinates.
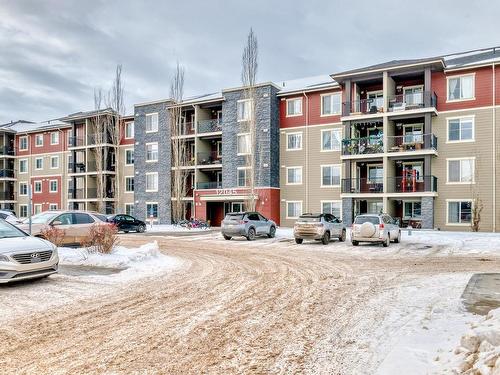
(76, 141)
(360, 146)
(409, 101)
(8, 151)
(209, 126)
(7, 196)
(411, 142)
(209, 185)
(98, 139)
(362, 185)
(411, 183)
(363, 106)
(6, 173)
(79, 193)
(207, 158)
(186, 128)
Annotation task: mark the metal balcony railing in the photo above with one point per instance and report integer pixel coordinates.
(7, 151)
(362, 185)
(76, 141)
(7, 173)
(411, 183)
(209, 185)
(206, 158)
(414, 100)
(411, 142)
(78, 193)
(209, 126)
(363, 106)
(7, 196)
(365, 145)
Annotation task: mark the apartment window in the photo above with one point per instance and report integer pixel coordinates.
(151, 122)
(23, 143)
(293, 141)
(244, 109)
(330, 175)
(129, 209)
(332, 207)
(461, 129)
(461, 87)
(37, 209)
(129, 130)
(152, 210)
(37, 186)
(54, 138)
(53, 206)
(152, 181)
(412, 210)
(219, 149)
(461, 170)
(293, 209)
(460, 212)
(375, 207)
(23, 188)
(151, 151)
(331, 139)
(23, 166)
(38, 140)
(129, 157)
(375, 174)
(243, 144)
(242, 177)
(53, 186)
(39, 163)
(330, 104)
(54, 162)
(23, 210)
(294, 175)
(129, 184)
(294, 107)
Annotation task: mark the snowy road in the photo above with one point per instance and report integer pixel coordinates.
(268, 306)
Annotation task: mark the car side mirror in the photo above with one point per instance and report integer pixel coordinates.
(56, 222)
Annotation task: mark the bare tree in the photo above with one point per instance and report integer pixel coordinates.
(248, 79)
(179, 146)
(98, 151)
(477, 202)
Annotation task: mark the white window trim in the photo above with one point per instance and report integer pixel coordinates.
(448, 182)
(243, 153)
(35, 206)
(58, 138)
(129, 191)
(375, 165)
(413, 201)
(27, 166)
(157, 180)
(58, 161)
(157, 151)
(331, 130)
(158, 210)
(27, 189)
(301, 141)
(448, 208)
(286, 209)
(473, 117)
(448, 100)
(50, 186)
(291, 100)
(332, 201)
(53, 204)
(237, 177)
(27, 143)
(133, 150)
(36, 168)
(321, 104)
(250, 112)
(321, 175)
(125, 135)
(36, 137)
(23, 205)
(294, 183)
(219, 155)
(157, 123)
(41, 187)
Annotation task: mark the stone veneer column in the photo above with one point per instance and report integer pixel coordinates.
(427, 212)
(347, 210)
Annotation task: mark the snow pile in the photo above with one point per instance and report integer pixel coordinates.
(172, 228)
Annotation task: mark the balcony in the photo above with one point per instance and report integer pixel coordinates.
(210, 126)
(209, 185)
(6, 173)
(362, 185)
(362, 146)
(76, 141)
(7, 151)
(79, 193)
(92, 194)
(7, 196)
(412, 184)
(411, 101)
(363, 107)
(185, 128)
(209, 158)
(412, 142)
(98, 139)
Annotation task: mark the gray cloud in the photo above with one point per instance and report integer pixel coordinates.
(53, 53)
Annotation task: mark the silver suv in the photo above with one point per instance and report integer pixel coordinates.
(378, 228)
(247, 224)
(319, 227)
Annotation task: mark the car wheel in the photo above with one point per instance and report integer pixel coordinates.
(398, 238)
(125, 231)
(326, 238)
(227, 238)
(387, 241)
(342, 236)
(251, 234)
(141, 228)
(355, 243)
(298, 241)
(272, 232)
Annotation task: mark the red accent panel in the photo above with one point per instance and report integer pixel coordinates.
(123, 140)
(47, 147)
(45, 198)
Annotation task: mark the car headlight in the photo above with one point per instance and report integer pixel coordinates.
(4, 258)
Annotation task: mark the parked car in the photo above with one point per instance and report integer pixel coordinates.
(76, 224)
(247, 224)
(319, 227)
(127, 223)
(378, 228)
(24, 257)
(9, 217)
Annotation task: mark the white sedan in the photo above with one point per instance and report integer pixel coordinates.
(24, 257)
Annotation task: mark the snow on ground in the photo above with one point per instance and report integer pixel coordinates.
(172, 228)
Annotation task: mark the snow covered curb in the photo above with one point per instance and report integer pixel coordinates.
(173, 229)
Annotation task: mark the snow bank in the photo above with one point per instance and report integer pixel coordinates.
(172, 228)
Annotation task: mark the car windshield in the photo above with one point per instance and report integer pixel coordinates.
(9, 231)
(234, 217)
(367, 219)
(309, 219)
(42, 218)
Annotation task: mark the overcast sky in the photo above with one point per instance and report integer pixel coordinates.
(53, 53)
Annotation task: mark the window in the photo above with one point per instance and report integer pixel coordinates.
(242, 177)
(151, 151)
(129, 130)
(375, 207)
(81, 218)
(294, 175)
(459, 212)
(414, 166)
(332, 207)
(461, 87)
(129, 209)
(54, 138)
(461, 129)
(54, 162)
(65, 219)
(331, 139)
(38, 140)
(414, 95)
(293, 107)
(375, 174)
(293, 141)
(293, 209)
(23, 210)
(374, 100)
(412, 210)
(244, 109)
(23, 188)
(330, 104)
(37, 186)
(152, 181)
(37, 209)
(219, 149)
(53, 206)
(39, 163)
(330, 175)
(53, 186)
(413, 133)
(129, 184)
(23, 143)
(152, 210)
(23, 166)
(243, 147)
(151, 122)
(129, 157)
(461, 170)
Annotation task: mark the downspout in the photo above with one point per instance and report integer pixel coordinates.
(306, 144)
(494, 153)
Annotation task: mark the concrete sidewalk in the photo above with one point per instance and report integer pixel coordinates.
(482, 293)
